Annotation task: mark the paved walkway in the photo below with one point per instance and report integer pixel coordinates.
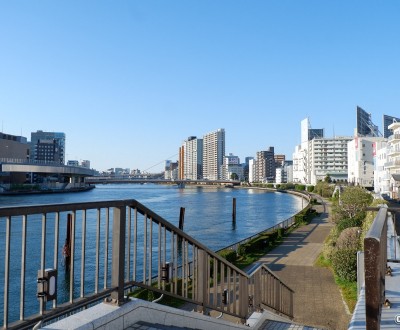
(317, 299)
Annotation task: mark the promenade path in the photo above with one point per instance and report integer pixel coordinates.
(317, 299)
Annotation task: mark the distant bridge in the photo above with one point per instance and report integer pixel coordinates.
(109, 180)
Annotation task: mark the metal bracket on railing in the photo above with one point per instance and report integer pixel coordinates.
(166, 272)
(47, 284)
(225, 297)
(251, 301)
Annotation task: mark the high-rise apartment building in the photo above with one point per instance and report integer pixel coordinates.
(264, 166)
(393, 160)
(213, 154)
(365, 126)
(192, 159)
(314, 159)
(388, 120)
(48, 147)
(382, 177)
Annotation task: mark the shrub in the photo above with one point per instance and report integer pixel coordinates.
(289, 185)
(270, 185)
(348, 223)
(310, 188)
(349, 239)
(344, 263)
(330, 243)
(278, 186)
(241, 250)
(229, 255)
(300, 187)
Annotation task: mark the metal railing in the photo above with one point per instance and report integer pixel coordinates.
(375, 263)
(112, 247)
(285, 224)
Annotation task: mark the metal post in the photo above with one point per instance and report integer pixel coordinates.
(201, 279)
(118, 255)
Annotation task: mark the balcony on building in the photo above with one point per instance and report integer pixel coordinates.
(394, 125)
(394, 150)
(392, 164)
(394, 138)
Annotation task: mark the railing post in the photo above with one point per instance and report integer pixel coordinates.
(372, 283)
(243, 298)
(118, 255)
(257, 290)
(375, 259)
(202, 275)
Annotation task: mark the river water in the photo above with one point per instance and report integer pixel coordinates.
(208, 218)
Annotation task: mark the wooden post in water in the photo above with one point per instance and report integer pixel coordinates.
(181, 221)
(181, 218)
(67, 246)
(234, 210)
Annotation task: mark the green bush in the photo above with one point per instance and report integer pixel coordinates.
(241, 250)
(229, 255)
(310, 188)
(300, 187)
(349, 239)
(348, 223)
(344, 263)
(278, 186)
(270, 185)
(289, 185)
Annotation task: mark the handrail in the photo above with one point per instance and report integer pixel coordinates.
(375, 262)
(147, 252)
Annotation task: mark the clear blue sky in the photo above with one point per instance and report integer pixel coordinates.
(128, 81)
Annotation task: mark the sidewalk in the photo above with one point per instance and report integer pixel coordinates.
(317, 299)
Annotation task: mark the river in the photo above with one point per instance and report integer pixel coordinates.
(208, 218)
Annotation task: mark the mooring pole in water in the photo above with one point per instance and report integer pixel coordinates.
(234, 209)
(181, 218)
(67, 245)
(181, 221)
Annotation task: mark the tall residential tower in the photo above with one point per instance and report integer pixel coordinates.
(213, 154)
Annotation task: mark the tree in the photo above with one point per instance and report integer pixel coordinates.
(353, 201)
(234, 176)
(328, 179)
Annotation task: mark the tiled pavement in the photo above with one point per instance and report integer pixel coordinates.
(317, 299)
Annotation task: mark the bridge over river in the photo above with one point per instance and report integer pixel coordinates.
(110, 179)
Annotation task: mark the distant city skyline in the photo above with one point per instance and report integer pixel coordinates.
(128, 82)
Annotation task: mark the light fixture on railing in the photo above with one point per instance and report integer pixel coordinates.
(47, 284)
(225, 297)
(166, 271)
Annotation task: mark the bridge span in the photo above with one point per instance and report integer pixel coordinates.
(109, 180)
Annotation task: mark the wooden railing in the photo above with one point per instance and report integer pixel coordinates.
(375, 263)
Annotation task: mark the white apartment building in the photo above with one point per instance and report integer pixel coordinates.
(192, 158)
(393, 160)
(381, 174)
(232, 168)
(315, 159)
(213, 154)
(300, 159)
(280, 175)
(251, 170)
(361, 153)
